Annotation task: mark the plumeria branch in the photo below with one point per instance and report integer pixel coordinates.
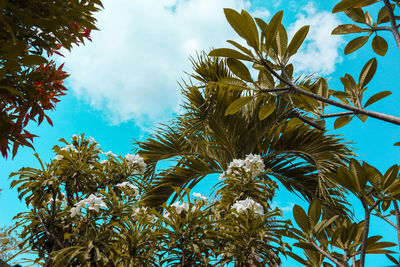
(346, 113)
(392, 19)
(295, 88)
(327, 254)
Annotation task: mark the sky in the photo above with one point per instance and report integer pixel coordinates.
(125, 82)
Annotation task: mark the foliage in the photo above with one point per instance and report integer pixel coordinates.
(87, 212)
(32, 83)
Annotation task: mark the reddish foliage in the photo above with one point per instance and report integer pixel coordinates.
(41, 92)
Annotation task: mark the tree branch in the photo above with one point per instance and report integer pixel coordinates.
(273, 90)
(380, 215)
(392, 19)
(397, 213)
(372, 114)
(326, 254)
(337, 114)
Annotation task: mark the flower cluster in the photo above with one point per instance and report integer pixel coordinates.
(252, 164)
(69, 148)
(199, 196)
(142, 211)
(132, 187)
(178, 208)
(92, 202)
(248, 203)
(136, 162)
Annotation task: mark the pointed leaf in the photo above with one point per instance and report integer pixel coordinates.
(272, 29)
(237, 105)
(346, 4)
(342, 121)
(239, 69)
(297, 40)
(367, 72)
(376, 97)
(301, 218)
(356, 14)
(346, 29)
(355, 44)
(379, 45)
(240, 25)
(266, 110)
(314, 211)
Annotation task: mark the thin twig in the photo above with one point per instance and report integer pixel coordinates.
(337, 114)
(392, 19)
(380, 215)
(326, 254)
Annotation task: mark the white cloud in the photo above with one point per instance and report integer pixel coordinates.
(130, 70)
(319, 54)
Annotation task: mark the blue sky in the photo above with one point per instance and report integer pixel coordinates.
(125, 81)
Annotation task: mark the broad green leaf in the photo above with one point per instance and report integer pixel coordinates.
(376, 97)
(347, 28)
(349, 83)
(355, 44)
(272, 29)
(239, 69)
(251, 25)
(241, 26)
(356, 14)
(297, 40)
(368, 18)
(227, 52)
(342, 121)
(266, 110)
(33, 60)
(314, 211)
(297, 258)
(346, 4)
(379, 45)
(12, 90)
(322, 88)
(383, 16)
(240, 47)
(301, 218)
(237, 105)
(281, 40)
(367, 72)
(397, 144)
(392, 259)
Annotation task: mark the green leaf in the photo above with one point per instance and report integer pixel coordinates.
(280, 44)
(237, 105)
(239, 69)
(314, 211)
(239, 46)
(346, 29)
(355, 14)
(367, 72)
(251, 25)
(301, 218)
(33, 60)
(379, 45)
(12, 90)
(355, 44)
(227, 52)
(266, 110)
(241, 26)
(342, 121)
(376, 97)
(397, 144)
(392, 259)
(305, 246)
(346, 4)
(272, 29)
(297, 40)
(383, 16)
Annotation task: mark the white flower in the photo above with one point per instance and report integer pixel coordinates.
(75, 211)
(95, 203)
(252, 164)
(104, 161)
(248, 203)
(137, 162)
(69, 148)
(131, 186)
(180, 207)
(58, 157)
(199, 196)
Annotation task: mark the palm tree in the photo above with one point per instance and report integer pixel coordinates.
(203, 140)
